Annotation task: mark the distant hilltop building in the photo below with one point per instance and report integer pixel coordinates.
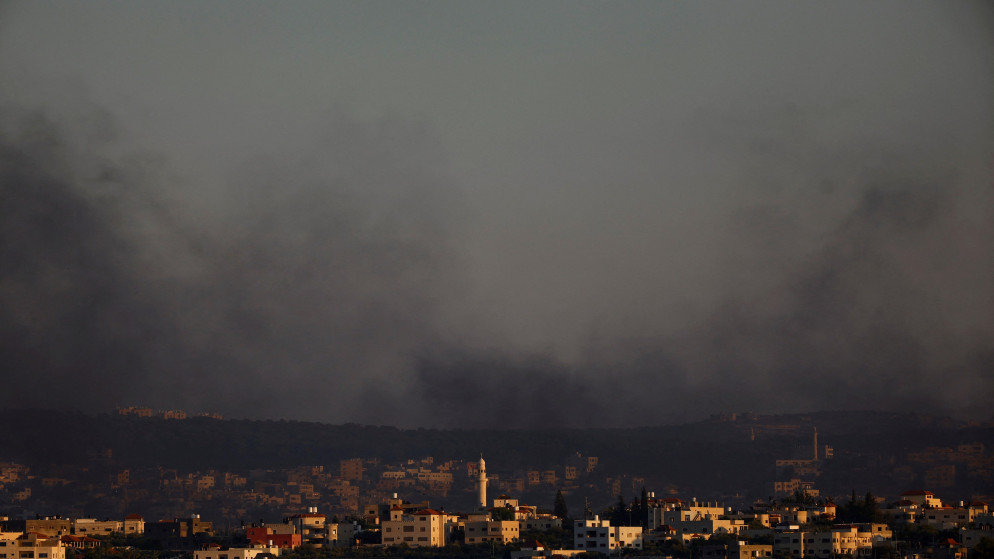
(802, 470)
(138, 411)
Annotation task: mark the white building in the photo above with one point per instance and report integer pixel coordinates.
(599, 535)
(426, 528)
(482, 485)
(842, 539)
(17, 545)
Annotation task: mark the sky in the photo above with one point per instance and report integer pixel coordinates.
(515, 214)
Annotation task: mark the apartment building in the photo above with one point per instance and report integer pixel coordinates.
(94, 527)
(542, 523)
(47, 526)
(694, 519)
(484, 531)
(672, 510)
(948, 517)
(425, 528)
(842, 539)
(312, 527)
(269, 537)
(598, 535)
(30, 545)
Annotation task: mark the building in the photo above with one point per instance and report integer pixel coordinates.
(947, 517)
(484, 531)
(268, 537)
(93, 527)
(736, 550)
(172, 532)
(351, 469)
(312, 527)
(80, 542)
(48, 526)
(536, 549)
(481, 482)
(598, 535)
(215, 551)
(425, 528)
(30, 545)
(540, 523)
(694, 519)
(134, 524)
(922, 498)
(842, 539)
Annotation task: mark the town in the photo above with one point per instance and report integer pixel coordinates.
(916, 524)
(387, 505)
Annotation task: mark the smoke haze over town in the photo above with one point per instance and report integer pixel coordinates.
(515, 214)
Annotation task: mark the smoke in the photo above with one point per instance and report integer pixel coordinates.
(851, 273)
(326, 286)
(672, 211)
(856, 275)
(298, 287)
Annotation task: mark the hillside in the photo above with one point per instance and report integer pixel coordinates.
(728, 458)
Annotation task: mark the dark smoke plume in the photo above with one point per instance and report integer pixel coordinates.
(330, 285)
(305, 285)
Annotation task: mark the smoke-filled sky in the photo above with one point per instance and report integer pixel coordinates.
(497, 214)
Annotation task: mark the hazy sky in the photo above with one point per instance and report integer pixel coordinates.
(466, 213)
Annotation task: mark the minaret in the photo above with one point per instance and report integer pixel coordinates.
(816, 444)
(482, 481)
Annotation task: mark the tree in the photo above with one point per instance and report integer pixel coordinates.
(560, 509)
(502, 513)
(983, 550)
(639, 510)
(860, 510)
(619, 515)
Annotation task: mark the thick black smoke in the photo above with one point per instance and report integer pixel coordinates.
(330, 285)
(857, 273)
(304, 285)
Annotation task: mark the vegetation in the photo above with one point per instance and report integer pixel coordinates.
(560, 509)
(860, 510)
(983, 550)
